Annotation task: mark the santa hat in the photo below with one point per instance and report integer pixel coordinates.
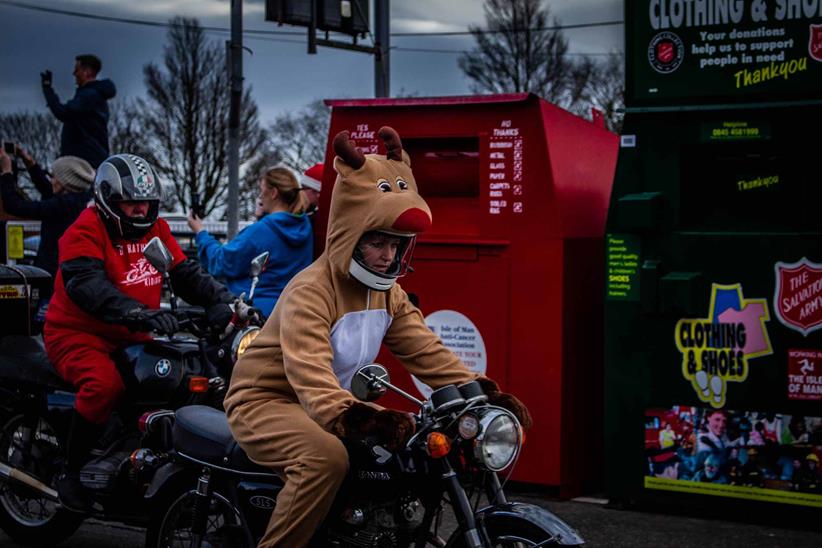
(313, 177)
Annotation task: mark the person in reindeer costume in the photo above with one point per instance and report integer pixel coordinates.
(289, 401)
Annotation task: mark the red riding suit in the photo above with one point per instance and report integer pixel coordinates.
(78, 343)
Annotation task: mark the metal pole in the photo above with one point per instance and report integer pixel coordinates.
(312, 29)
(382, 72)
(236, 73)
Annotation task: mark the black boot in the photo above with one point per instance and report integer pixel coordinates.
(82, 437)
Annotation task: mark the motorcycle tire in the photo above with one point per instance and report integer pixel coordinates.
(28, 519)
(172, 518)
(512, 532)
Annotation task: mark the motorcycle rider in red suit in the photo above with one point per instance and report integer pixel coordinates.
(107, 295)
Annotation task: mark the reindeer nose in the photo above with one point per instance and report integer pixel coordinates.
(412, 220)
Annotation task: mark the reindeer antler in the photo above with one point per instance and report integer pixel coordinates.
(346, 149)
(393, 145)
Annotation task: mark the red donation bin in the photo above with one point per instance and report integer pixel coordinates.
(510, 275)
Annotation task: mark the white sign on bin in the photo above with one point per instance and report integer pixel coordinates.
(461, 336)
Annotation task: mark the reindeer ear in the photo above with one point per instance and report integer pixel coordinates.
(406, 158)
(347, 151)
(342, 168)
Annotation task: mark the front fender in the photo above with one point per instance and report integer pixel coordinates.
(516, 514)
(166, 474)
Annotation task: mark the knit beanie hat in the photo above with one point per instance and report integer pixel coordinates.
(75, 174)
(313, 177)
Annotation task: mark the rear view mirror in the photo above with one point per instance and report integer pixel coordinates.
(158, 255)
(259, 263)
(367, 384)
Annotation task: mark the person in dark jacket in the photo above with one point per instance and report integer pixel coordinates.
(84, 117)
(62, 198)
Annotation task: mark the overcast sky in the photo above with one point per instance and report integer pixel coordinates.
(282, 75)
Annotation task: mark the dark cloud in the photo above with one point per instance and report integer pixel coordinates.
(283, 77)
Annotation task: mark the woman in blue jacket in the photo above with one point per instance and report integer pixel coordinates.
(284, 231)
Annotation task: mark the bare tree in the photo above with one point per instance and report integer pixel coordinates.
(300, 138)
(297, 139)
(518, 53)
(605, 90)
(185, 117)
(38, 133)
(125, 127)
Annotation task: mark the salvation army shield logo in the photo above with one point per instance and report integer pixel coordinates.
(798, 295)
(815, 42)
(665, 52)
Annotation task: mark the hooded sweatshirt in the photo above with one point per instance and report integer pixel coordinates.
(326, 323)
(288, 239)
(85, 120)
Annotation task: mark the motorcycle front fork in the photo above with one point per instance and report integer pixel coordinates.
(462, 506)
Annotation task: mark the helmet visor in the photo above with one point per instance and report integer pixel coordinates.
(385, 254)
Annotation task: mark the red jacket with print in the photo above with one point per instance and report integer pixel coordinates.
(126, 268)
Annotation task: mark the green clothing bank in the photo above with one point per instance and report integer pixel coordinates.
(713, 299)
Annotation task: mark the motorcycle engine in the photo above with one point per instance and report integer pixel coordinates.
(379, 525)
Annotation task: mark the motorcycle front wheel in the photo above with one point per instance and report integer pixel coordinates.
(27, 516)
(172, 528)
(511, 531)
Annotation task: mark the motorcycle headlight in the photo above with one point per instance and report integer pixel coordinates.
(242, 340)
(497, 444)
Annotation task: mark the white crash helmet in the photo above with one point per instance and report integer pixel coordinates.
(383, 281)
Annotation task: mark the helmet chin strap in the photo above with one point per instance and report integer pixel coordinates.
(369, 278)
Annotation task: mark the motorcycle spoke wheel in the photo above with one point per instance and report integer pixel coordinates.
(175, 531)
(21, 503)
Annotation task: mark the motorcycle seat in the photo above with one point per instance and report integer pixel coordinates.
(23, 359)
(201, 433)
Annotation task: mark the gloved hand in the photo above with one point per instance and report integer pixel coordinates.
(255, 316)
(506, 401)
(45, 78)
(218, 316)
(392, 428)
(161, 321)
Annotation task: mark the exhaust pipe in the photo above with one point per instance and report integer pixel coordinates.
(19, 476)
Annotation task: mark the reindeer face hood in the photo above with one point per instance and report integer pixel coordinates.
(373, 193)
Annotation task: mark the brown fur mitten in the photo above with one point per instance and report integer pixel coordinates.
(356, 422)
(391, 428)
(506, 401)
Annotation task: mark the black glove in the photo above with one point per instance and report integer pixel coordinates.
(256, 316)
(45, 78)
(161, 321)
(506, 401)
(218, 316)
(391, 428)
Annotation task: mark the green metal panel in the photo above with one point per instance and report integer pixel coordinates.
(716, 222)
(713, 51)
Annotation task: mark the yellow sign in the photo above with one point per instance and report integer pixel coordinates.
(12, 291)
(715, 350)
(735, 491)
(14, 242)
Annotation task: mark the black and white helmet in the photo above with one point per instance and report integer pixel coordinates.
(126, 178)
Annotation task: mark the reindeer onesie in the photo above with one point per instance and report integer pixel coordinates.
(289, 397)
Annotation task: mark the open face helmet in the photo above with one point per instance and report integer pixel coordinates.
(375, 277)
(126, 178)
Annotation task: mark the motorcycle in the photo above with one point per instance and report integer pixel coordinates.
(161, 375)
(461, 445)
